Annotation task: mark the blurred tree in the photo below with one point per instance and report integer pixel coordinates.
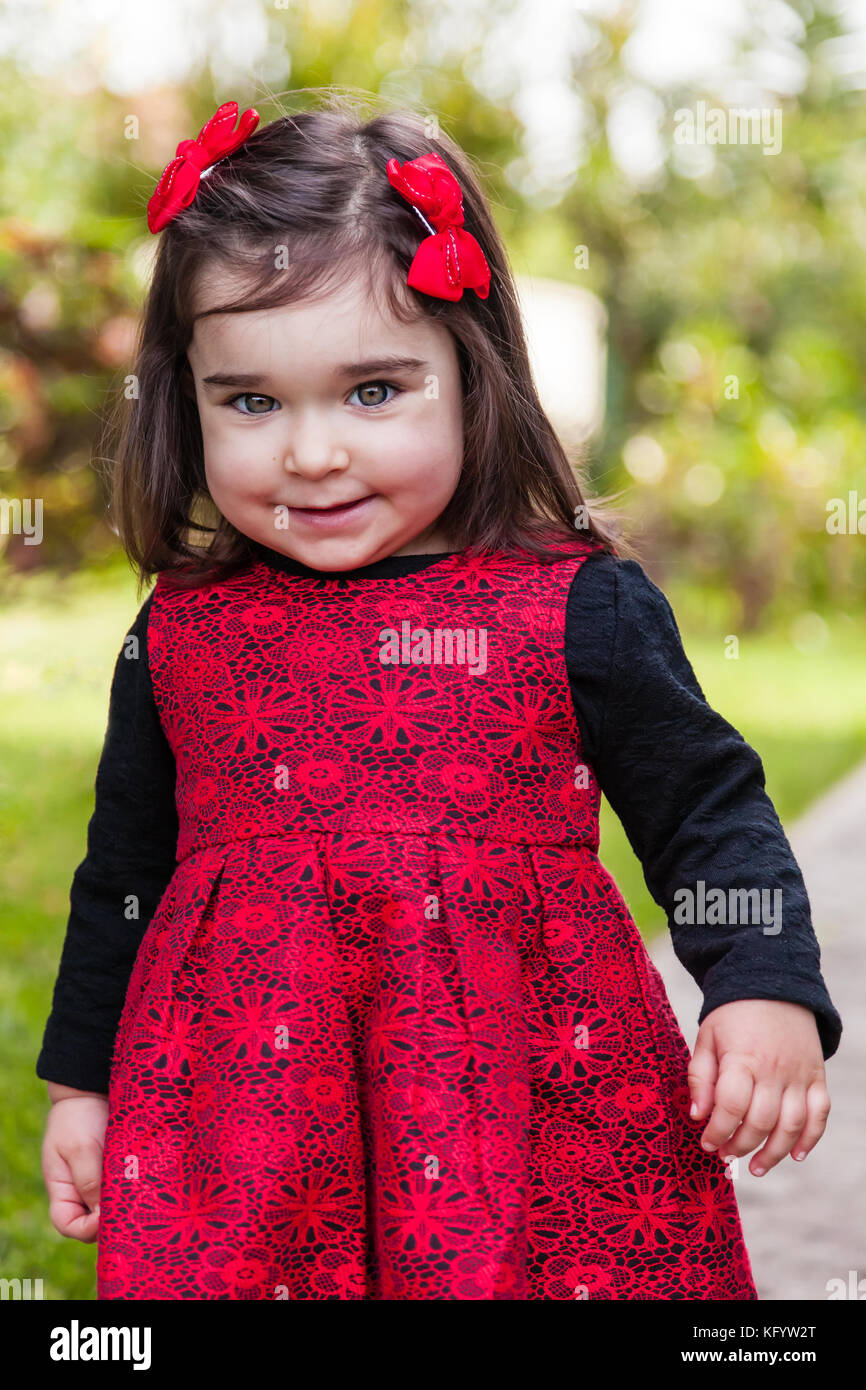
(736, 294)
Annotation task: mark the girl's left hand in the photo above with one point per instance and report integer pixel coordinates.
(758, 1066)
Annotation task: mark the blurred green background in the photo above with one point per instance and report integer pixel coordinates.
(716, 265)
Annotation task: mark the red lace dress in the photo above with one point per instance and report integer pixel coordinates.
(392, 1032)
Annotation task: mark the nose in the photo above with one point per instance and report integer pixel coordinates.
(312, 450)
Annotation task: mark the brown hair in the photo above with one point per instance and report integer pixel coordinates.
(316, 181)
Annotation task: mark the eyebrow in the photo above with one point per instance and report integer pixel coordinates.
(371, 367)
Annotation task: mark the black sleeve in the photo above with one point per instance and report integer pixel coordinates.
(131, 847)
(689, 792)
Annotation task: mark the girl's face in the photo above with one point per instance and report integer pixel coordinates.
(305, 408)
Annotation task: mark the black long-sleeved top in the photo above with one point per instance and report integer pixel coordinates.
(686, 786)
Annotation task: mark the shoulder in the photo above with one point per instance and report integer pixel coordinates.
(142, 617)
(620, 629)
(609, 591)
(135, 638)
(131, 681)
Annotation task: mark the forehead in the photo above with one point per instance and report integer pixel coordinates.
(348, 316)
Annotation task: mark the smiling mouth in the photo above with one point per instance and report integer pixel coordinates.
(337, 507)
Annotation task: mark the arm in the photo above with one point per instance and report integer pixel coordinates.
(689, 792)
(131, 844)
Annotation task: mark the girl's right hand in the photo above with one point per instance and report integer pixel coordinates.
(72, 1160)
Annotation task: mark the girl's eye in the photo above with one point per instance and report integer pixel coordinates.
(368, 386)
(251, 396)
(364, 390)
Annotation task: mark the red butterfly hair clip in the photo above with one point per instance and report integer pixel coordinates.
(450, 259)
(179, 181)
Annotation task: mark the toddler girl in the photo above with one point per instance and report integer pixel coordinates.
(348, 1007)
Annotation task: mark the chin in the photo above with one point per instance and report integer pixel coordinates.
(337, 555)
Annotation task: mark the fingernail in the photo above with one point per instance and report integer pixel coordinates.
(759, 1172)
(798, 1157)
(706, 1145)
(96, 1210)
(694, 1110)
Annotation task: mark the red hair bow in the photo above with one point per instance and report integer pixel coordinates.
(450, 259)
(179, 181)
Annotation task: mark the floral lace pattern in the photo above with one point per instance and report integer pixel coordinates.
(392, 1032)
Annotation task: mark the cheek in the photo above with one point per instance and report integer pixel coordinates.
(222, 480)
(233, 465)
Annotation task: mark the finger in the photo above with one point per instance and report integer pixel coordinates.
(817, 1110)
(69, 1215)
(792, 1117)
(703, 1070)
(732, 1099)
(84, 1160)
(759, 1120)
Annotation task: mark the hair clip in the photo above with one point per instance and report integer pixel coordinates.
(450, 259)
(179, 181)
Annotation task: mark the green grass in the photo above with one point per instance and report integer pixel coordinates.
(804, 712)
(60, 643)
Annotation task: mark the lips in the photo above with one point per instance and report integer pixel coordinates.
(335, 506)
(339, 516)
